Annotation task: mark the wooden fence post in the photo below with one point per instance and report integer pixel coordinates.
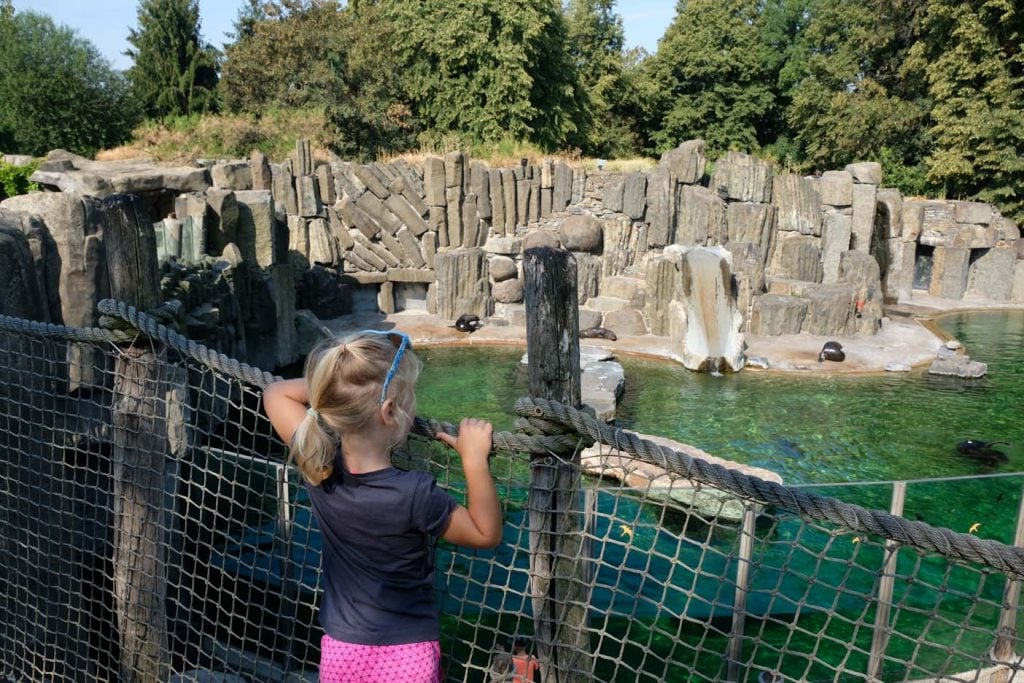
(139, 454)
(559, 589)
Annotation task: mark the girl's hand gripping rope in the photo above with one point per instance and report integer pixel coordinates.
(478, 525)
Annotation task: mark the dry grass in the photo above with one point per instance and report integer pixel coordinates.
(234, 136)
(502, 157)
(228, 136)
(123, 153)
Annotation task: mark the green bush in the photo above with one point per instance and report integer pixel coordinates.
(910, 179)
(14, 180)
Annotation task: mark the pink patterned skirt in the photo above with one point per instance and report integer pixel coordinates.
(342, 662)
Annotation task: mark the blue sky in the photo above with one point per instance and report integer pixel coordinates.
(106, 22)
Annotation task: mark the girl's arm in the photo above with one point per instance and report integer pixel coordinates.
(479, 524)
(285, 403)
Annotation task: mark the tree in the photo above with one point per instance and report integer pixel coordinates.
(488, 71)
(595, 41)
(975, 68)
(288, 56)
(174, 72)
(709, 78)
(249, 14)
(57, 89)
(371, 111)
(859, 96)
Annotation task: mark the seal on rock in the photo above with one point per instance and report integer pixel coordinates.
(832, 350)
(468, 322)
(597, 333)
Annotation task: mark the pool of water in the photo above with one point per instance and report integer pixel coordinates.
(808, 429)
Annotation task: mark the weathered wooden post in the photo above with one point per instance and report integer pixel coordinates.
(1006, 633)
(140, 450)
(557, 567)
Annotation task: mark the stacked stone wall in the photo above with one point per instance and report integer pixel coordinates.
(248, 243)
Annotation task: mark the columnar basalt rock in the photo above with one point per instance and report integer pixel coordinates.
(836, 188)
(799, 204)
(796, 257)
(463, 284)
(743, 178)
(753, 223)
(991, 275)
(836, 235)
(701, 217)
(863, 223)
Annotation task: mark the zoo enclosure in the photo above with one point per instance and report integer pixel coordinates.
(151, 529)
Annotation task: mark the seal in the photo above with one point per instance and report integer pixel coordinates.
(468, 322)
(985, 451)
(832, 350)
(597, 333)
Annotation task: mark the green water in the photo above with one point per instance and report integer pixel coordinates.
(810, 430)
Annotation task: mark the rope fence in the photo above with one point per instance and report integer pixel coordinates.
(154, 532)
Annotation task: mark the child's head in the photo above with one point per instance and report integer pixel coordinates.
(360, 383)
(519, 644)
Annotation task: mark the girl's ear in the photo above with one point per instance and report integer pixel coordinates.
(387, 412)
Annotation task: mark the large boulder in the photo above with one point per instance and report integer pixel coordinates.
(581, 233)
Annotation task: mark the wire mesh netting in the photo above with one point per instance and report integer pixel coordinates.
(152, 531)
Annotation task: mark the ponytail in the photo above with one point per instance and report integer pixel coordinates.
(313, 449)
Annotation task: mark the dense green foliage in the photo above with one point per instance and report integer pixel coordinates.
(14, 180)
(859, 94)
(489, 70)
(56, 90)
(286, 58)
(932, 89)
(173, 71)
(596, 42)
(709, 77)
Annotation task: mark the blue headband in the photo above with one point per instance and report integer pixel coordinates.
(403, 343)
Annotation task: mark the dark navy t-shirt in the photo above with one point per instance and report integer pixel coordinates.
(379, 531)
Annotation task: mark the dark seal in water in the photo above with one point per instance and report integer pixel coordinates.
(981, 450)
(597, 333)
(832, 350)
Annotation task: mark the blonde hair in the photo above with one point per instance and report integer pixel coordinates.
(346, 379)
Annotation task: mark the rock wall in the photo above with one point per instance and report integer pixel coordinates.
(247, 244)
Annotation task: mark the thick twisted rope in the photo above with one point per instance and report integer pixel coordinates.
(151, 327)
(1008, 559)
(547, 427)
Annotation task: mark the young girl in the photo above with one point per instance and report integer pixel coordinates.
(379, 524)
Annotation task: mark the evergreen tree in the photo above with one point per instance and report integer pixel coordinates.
(709, 79)
(489, 71)
(249, 14)
(57, 89)
(595, 40)
(174, 72)
(858, 96)
(975, 67)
